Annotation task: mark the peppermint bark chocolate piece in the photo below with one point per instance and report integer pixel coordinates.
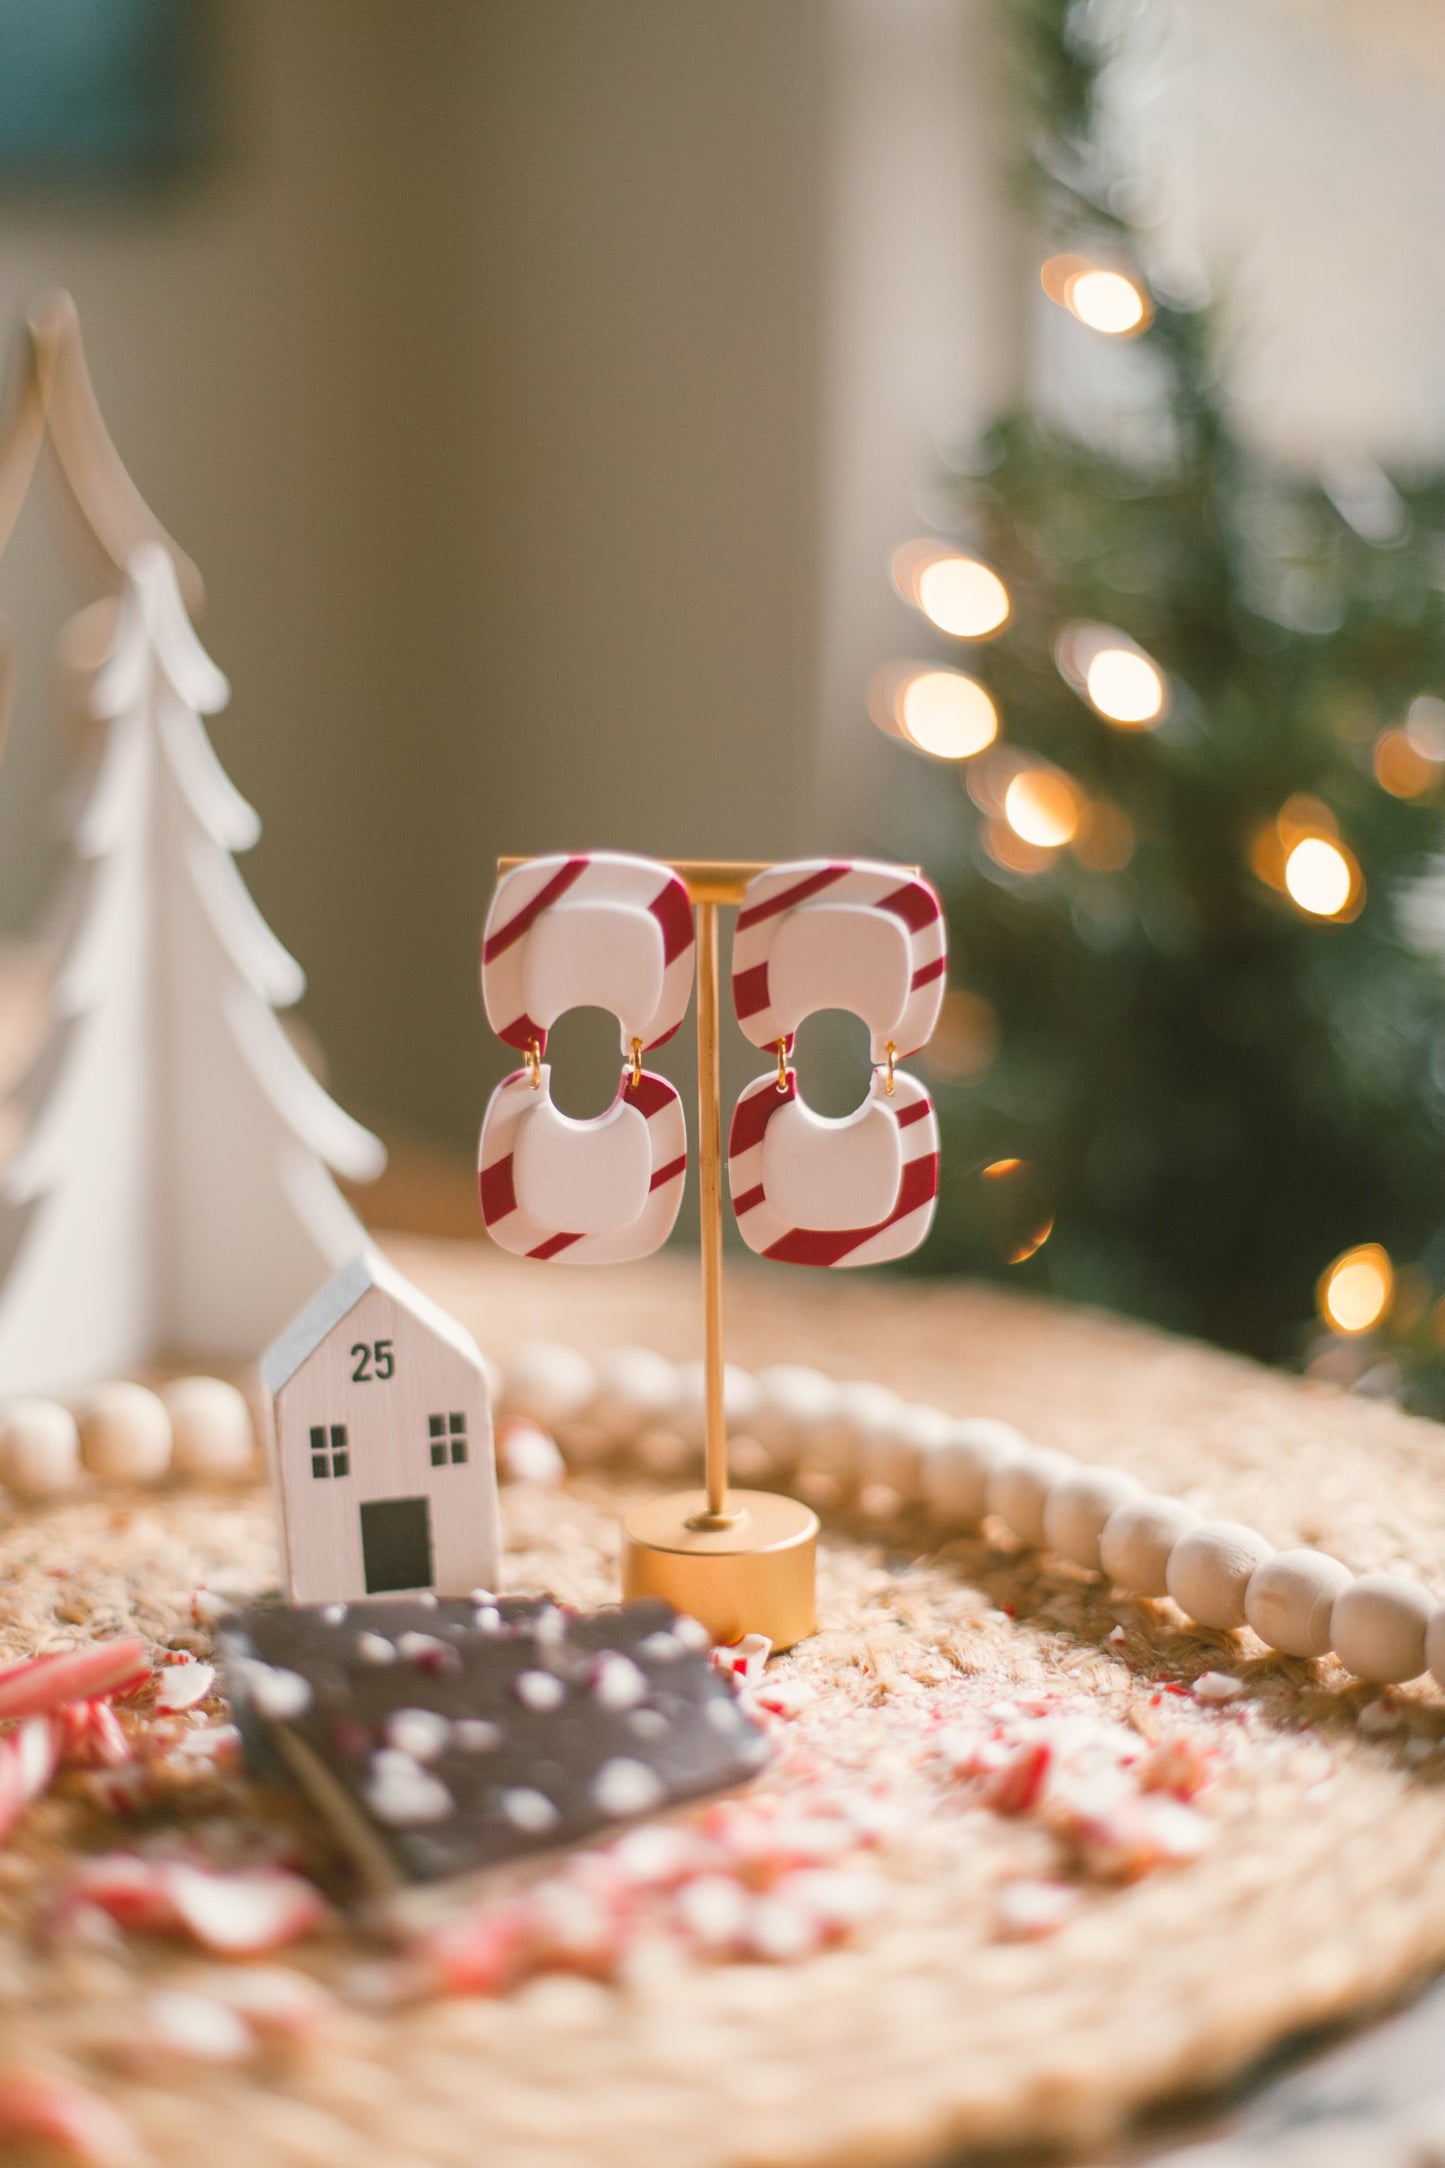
(442, 1737)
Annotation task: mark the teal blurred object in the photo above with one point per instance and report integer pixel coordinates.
(92, 89)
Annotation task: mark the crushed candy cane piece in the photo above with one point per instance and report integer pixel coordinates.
(783, 1696)
(528, 1454)
(44, 1683)
(277, 1692)
(1030, 1911)
(207, 1608)
(1180, 1764)
(403, 1794)
(37, 2108)
(183, 1686)
(1019, 1784)
(1217, 1686)
(1378, 1718)
(276, 2002)
(176, 2024)
(746, 1659)
(237, 1914)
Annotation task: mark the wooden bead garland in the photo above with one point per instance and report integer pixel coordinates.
(1290, 1598)
(1378, 1626)
(125, 1434)
(1209, 1570)
(1221, 1573)
(1136, 1540)
(210, 1427)
(39, 1449)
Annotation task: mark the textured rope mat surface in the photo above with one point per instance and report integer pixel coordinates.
(1306, 1879)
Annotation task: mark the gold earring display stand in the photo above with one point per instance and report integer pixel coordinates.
(743, 1562)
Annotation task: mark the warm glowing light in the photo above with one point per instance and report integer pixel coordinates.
(1355, 1291)
(965, 1038)
(1105, 841)
(1020, 1220)
(946, 714)
(1058, 274)
(1401, 768)
(1107, 301)
(963, 597)
(1125, 687)
(1042, 807)
(1319, 876)
(1425, 726)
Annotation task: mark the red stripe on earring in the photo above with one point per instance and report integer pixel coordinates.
(669, 1173)
(673, 912)
(926, 973)
(499, 1197)
(750, 1200)
(553, 1245)
(650, 1094)
(750, 990)
(522, 1032)
(787, 897)
(918, 1112)
(819, 1246)
(753, 1113)
(915, 903)
(504, 937)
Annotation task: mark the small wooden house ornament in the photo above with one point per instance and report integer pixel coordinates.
(381, 1444)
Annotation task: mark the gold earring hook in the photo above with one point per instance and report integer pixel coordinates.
(782, 1065)
(636, 1065)
(533, 1061)
(890, 1050)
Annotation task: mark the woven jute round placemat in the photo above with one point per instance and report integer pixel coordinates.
(1016, 1979)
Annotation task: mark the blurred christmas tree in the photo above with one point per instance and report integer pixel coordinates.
(1196, 1047)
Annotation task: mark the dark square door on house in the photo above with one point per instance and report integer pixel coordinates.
(396, 1547)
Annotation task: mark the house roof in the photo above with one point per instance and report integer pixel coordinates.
(326, 1309)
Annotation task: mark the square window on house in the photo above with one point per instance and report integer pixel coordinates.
(330, 1452)
(448, 1437)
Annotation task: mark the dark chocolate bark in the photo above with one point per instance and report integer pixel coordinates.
(444, 1736)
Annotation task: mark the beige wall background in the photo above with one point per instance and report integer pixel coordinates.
(541, 417)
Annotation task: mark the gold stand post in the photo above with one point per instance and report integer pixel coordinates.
(741, 1561)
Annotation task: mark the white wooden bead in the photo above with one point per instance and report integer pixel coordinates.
(1435, 1644)
(635, 1389)
(891, 1452)
(1137, 1538)
(1209, 1571)
(1018, 1489)
(39, 1449)
(125, 1434)
(835, 1442)
(955, 1474)
(546, 1383)
(688, 1414)
(1378, 1627)
(793, 1402)
(1289, 1600)
(1078, 1506)
(211, 1430)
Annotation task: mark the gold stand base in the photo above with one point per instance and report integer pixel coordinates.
(754, 1576)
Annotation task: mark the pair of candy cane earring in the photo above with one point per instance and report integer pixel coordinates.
(604, 930)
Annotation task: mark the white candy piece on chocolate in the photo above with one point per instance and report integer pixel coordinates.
(893, 1452)
(1378, 1628)
(1137, 1538)
(688, 1413)
(955, 1474)
(624, 1786)
(1290, 1598)
(39, 1449)
(1209, 1570)
(635, 1389)
(125, 1434)
(1078, 1506)
(539, 1689)
(547, 1383)
(211, 1430)
(792, 1402)
(1018, 1489)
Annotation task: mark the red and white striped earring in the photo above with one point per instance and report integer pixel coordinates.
(828, 934)
(599, 930)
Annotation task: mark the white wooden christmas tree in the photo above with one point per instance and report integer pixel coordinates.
(170, 1192)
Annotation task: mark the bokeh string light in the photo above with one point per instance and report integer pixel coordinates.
(1355, 1292)
(960, 595)
(940, 711)
(1104, 300)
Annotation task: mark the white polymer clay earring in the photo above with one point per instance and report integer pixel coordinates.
(830, 934)
(599, 930)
